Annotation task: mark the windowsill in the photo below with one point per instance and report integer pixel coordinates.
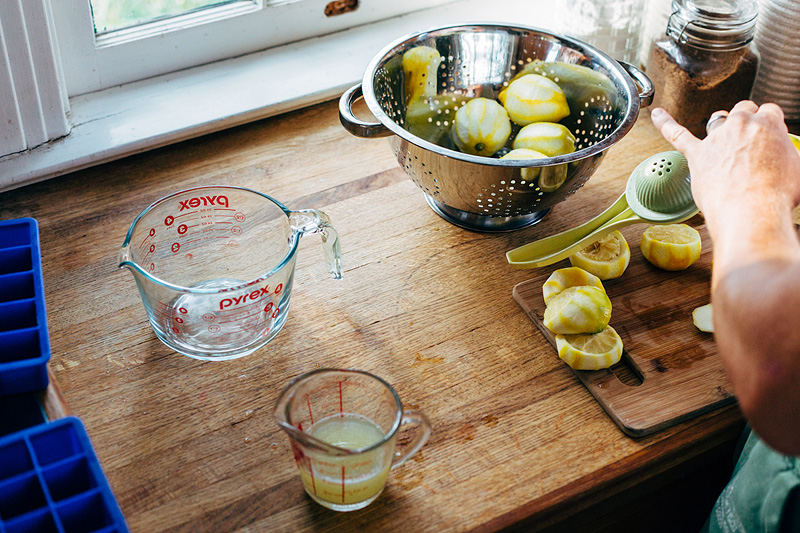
(120, 121)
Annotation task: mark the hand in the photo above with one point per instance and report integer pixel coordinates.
(746, 163)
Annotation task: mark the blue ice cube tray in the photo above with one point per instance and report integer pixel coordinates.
(24, 340)
(51, 481)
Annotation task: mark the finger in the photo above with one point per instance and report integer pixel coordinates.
(773, 111)
(678, 136)
(745, 106)
(716, 120)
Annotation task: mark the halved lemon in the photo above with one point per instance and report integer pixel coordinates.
(671, 246)
(590, 352)
(581, 309)
(564, 278)
(606, 258)
(703, 318)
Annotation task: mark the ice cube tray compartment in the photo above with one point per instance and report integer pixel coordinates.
(50, 480)
(24, 339)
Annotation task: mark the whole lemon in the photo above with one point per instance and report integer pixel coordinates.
(481, 127)
(530, 173)
(534, 98)
(548, 138)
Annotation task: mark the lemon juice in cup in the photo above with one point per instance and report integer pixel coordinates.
(342, 426)
(364, 474)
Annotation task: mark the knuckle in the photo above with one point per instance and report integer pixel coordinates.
(674, 135)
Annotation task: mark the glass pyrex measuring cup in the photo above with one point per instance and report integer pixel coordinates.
(342, 425)
(215, 265)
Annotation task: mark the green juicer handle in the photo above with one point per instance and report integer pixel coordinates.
(539, 257)
(521, 257)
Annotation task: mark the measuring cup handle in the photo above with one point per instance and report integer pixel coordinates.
(330, 246)
(314, 221)
(407, 449)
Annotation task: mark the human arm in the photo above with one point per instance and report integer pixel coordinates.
(746, 181)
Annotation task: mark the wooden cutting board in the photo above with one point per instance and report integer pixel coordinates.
(670, 371)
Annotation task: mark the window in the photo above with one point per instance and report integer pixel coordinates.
(95, 57)
(155, 95)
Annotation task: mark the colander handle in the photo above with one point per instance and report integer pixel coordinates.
(356, 126)
(646, 88)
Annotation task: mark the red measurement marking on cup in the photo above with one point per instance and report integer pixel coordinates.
(146, 241)
(149, 252)
(310, 414)
(311, 471)
(342, 483)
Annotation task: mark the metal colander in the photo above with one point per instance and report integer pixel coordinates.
(482, 193)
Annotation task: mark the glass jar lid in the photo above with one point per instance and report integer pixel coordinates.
(713, 24)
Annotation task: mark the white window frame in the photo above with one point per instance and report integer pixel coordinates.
(119, 121)
(204, 36)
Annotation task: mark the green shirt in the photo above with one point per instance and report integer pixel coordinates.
(763, 494)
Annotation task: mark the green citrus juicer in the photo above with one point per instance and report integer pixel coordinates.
(658, 192)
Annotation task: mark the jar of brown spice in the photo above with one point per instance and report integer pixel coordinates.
(705, 61)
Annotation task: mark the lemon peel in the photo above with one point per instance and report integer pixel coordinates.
(564, 278)
(671, 246)
(590, 352)
(606, 258)
(583, 309)
(420, 65)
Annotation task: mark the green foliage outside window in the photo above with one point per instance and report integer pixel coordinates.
(110, 15)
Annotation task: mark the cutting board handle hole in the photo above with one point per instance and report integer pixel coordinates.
(627, 371)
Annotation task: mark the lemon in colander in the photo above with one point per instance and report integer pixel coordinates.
(534, 98)
(420, 66)
(530, 173)
(481, 127)
(548, 138)
(582, 309)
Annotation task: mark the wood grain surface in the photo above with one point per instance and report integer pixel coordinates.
(193, 446)
(670, 371)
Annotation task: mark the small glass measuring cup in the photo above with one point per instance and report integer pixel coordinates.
(215, 265)
(342, 426)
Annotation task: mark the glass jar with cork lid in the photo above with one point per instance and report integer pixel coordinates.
(706, 59)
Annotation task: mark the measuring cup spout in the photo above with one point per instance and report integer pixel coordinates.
(314, 221)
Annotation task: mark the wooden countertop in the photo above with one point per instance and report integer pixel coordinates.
(193, 446)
